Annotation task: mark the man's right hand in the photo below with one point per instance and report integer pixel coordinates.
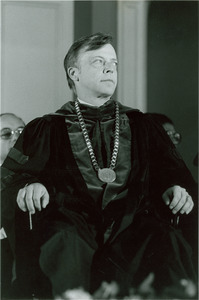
(32, 197)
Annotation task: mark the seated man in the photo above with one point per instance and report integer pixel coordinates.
(11, 127)
(99, 185)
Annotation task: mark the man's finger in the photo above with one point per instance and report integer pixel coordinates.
(182, 201)
(45, 199)
(37, 195)
(29, 199)
(177, 195)
(188, 206)
(175, 200)
(21, 199)
(166, 196)
(166, 199)
(185, 208)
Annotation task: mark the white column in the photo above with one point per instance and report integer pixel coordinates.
(132, 53)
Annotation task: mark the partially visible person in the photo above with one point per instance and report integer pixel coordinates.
(11, 127)
(168, 126)
(189, 225)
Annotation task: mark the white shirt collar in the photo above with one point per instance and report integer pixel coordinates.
(84, 102)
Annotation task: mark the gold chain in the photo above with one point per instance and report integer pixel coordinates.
(88, 141)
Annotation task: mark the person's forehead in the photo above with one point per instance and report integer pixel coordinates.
(8, 121)
(104, 51)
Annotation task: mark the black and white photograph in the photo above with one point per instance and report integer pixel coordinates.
(99, 150)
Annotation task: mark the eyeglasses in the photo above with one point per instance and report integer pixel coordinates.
(7, 133)
(174, 136)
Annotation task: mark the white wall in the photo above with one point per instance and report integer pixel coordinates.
(132, 53)
(35, 38)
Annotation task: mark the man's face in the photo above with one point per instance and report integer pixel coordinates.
(97, 73)
(174, 136)
(8, 125)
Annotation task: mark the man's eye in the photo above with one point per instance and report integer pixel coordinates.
(98, 62)
(115, 63)
(6, 135)
(20, 130)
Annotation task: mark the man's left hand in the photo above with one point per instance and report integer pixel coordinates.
(178, 200)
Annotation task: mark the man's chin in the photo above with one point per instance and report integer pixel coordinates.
(105, 96)
(108, 93)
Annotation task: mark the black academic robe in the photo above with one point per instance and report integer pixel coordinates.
(143, 237)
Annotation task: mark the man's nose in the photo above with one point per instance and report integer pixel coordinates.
(15, 136)
(108, 67)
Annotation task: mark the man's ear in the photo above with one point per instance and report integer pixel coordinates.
(73, 73)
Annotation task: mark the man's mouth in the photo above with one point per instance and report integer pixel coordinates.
(107, 80)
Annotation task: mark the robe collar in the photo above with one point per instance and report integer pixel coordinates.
(107, 110)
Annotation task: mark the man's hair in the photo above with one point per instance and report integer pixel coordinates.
(13, 115)
(88, 43)
(160, 118)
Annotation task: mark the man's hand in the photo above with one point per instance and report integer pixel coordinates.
(178, 199)
(33, 196)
